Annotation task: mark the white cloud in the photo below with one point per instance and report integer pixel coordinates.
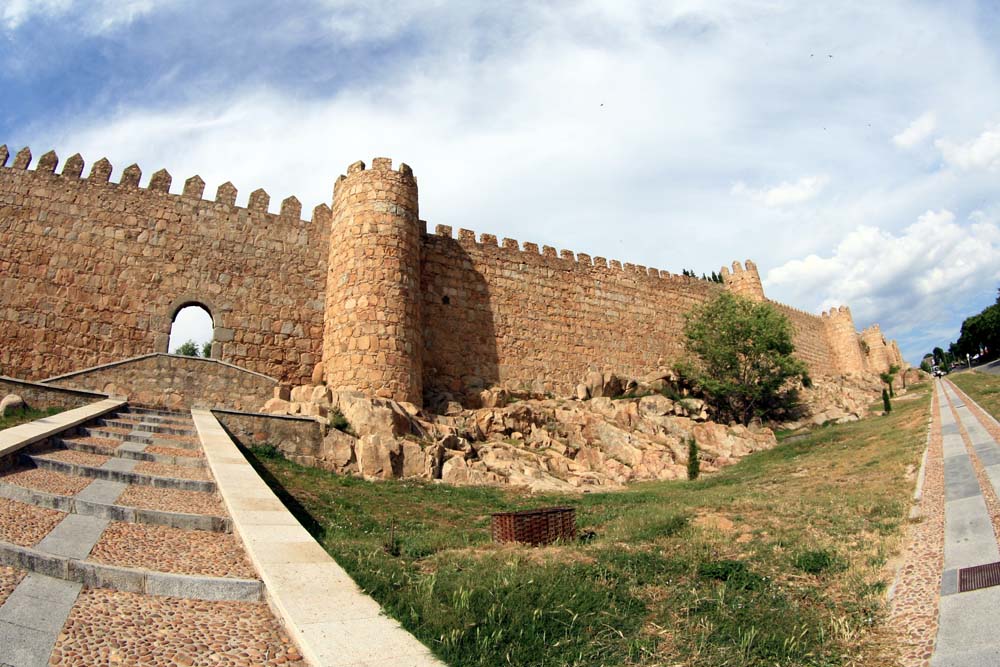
(933, 269)
(785, 193)
(983, 152)
(97, 16)
(917, 131)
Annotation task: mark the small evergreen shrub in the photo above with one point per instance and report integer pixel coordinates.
(694, 464)
(338, 421)
(886, 404)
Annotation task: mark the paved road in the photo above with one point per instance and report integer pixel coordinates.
(992, 367)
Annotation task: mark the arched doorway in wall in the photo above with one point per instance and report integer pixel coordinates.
(192, 330)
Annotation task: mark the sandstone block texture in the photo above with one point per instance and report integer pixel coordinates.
(93, 271)
(373, 339)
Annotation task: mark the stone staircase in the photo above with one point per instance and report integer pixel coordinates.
(122, 514)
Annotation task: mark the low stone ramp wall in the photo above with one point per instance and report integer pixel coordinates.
(329, 617)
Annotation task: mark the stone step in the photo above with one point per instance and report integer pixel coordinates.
(124, 476)
(130, 450)
(146, 439)
(148, 582)
(103, 433)
(156, 412)
(115, 512)
(146, 427)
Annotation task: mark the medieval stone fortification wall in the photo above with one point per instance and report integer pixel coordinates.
(361, 297)
(93, 271)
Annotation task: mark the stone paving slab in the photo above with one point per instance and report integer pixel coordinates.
(329, 617)
(967, 634)
(102, 491)
(31, 618)
(74, 537)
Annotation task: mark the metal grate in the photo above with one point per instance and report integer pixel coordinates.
(980, 576)
(541, 526)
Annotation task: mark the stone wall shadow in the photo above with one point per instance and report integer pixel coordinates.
(460, 335)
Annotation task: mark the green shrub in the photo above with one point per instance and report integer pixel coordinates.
(734, 572)
(694, 463)
(267, 451)
(817, 561)
(338, 421)
(886, 404)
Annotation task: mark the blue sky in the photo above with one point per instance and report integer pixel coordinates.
(850, 150)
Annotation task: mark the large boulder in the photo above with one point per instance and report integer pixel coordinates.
(10, 404)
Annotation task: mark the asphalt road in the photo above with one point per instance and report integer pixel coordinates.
(992, 367)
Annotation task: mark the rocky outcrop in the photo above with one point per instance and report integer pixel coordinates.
(10, 404)
(540, 444)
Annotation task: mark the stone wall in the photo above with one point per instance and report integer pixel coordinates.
(93, 271)
(496, 314)
(300, 439)
(174, 382)
(42, 396)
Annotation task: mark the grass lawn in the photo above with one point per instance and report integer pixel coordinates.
(983, 388)
(783, 559)
(26, 416)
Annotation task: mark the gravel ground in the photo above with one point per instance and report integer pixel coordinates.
(79, 458)
(165, 549)
(9, 579)
(914, 610)
(172, 500)
(25, 525)
(48, 481)
(115, 628)
(167, 470)
(176, 451)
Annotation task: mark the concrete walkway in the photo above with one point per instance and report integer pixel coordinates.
(967, 623)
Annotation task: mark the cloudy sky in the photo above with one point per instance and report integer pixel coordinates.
(850, 149)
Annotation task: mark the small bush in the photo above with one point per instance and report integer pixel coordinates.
(734, 572)
(338, 421)
(818, 561)
(267, 451)
(694, 463)
(886, 404)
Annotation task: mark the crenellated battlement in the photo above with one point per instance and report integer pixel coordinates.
(744, 281)
(532, 252)
(159, 184)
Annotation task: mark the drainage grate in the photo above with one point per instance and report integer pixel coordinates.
(980, 576)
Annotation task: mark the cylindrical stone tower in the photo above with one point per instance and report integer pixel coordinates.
(372, 340)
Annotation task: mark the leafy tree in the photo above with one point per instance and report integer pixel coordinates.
(188, 349)
(206, 350)
(888, 378)
(741, 357)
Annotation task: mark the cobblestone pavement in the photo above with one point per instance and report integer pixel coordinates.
(172, 500)
(168, 470)
(48, 481)
(115, 628)
(79, 458)
(25, 525)
(175, 451)
(913, 614)
(103, 443)
(9, 579)
(168, 549)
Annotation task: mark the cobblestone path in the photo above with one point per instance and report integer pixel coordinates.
(127, 500)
